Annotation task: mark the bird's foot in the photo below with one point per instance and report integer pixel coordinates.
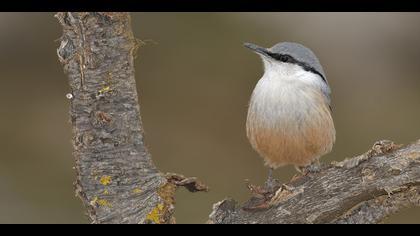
(259, 199)
(261, 196)
(257, 191)
(272, 184)
(314, 167)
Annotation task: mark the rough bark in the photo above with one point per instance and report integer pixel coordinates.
(118, 182)
(362, 189)
(116, 178)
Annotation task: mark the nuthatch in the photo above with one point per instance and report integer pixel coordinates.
(289, 116)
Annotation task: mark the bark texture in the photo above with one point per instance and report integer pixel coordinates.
(118, 182)
(116, 178)
(362, 189)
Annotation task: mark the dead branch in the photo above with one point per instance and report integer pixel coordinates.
(362, 189)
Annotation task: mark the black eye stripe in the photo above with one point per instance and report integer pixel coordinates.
(282, 57)
(289, 59)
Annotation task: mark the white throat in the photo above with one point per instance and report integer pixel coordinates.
(290, 74)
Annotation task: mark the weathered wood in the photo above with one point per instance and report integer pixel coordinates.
(116, 178)
(363, 189)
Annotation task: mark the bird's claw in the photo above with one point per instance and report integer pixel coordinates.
(314, 167)
(261, 196)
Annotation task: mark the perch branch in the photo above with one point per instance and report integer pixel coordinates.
(116, 179)
(362, 189)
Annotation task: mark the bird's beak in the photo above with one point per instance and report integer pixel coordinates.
(260, 50)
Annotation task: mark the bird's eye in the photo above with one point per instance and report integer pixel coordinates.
(284, 58)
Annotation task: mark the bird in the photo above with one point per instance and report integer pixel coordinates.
(289, 119)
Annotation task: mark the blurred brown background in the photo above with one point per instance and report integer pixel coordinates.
(194, 79)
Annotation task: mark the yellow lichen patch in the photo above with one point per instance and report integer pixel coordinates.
(156, 214)
(167, 192)
(104, 90)
(103, 202)
(105, 180)
(137, 190)
(106, 192)
(100, 202)
(163, 211)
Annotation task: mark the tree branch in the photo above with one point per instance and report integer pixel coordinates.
(363, 189)
(376, 210)
(118, 182)
(116, 178)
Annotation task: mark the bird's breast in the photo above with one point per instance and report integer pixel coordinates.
(278, 103)
(289, 122)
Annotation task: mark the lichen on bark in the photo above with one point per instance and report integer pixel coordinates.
(111, 159)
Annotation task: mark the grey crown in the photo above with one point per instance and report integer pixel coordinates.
(300, 53)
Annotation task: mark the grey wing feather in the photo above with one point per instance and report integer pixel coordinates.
(327, 93)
